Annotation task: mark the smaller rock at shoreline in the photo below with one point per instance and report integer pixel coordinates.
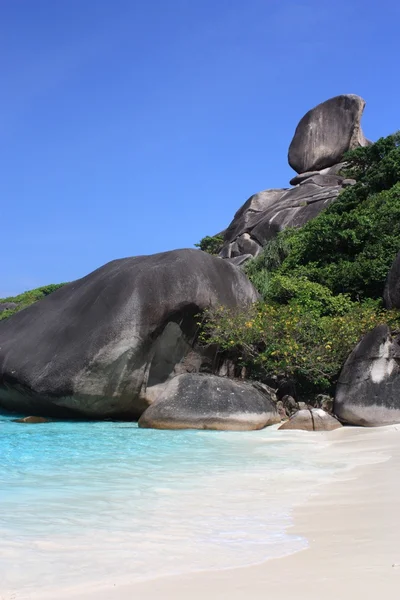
(325, 402)
(281, 410)
(32, 420)
(368, 390)
(313, 419)
(202, 401)
(290, 405)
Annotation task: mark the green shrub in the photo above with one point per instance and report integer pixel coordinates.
(290, 341)
(322, 284)
(273, 254)
(211, 244)
(351, 245)
(313, 297)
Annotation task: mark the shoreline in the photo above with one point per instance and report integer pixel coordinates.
(353, 532)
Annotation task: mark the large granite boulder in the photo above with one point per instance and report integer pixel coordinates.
(326, 132)
(368, 390)
(105, 345)
(391, 293)
(201, 401)
(313, 419)
(265, 214)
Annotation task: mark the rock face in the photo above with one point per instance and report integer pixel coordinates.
(268, 212)
(200, 401)
(105, 345)
(314, 419)
(326, 132)
(322, 137)
(368, 390)
(391, 294)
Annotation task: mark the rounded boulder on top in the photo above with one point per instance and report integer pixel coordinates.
(326, 133)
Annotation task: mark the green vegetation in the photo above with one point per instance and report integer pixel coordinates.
(28, 298)
(211, 244)
(321, 285)
(351, 246)
(292, 342)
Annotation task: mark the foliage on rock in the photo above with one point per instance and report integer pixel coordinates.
(351, 245)
(322, 284)
(27, 298)
(211, 243)
(294, 340)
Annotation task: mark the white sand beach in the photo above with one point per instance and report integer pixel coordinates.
(353, 529)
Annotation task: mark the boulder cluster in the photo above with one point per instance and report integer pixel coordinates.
(105, 346)
(316, 152)
(122, 342)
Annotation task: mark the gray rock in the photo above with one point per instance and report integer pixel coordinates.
(265, 389)
(348, 182)
(32, 420)
(325, 402)
(312, 420)
(323, 181)
(246, 245)
(335, 169)
(302, 177)
(7, 305)
(250, 213)
(391, 294)
(265, 214)
(238, 261)
(368, 390)
(281, 410)
(105, 345)
(200, 401)
(326, 132)
(289, 404)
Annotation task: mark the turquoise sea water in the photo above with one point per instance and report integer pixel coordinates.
(94, 502)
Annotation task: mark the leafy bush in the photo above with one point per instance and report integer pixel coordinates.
(313, 297)
(211, 244)
(322, 284)
(259, 269)
(273, 254)
(291, 342)
(351, 245)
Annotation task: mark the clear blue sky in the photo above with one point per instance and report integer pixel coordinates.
(136, 126)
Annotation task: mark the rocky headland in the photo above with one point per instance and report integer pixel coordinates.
(127, 341)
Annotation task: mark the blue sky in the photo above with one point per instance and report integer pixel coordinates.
(137, 126)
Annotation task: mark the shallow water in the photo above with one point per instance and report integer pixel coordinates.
(88, 502)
